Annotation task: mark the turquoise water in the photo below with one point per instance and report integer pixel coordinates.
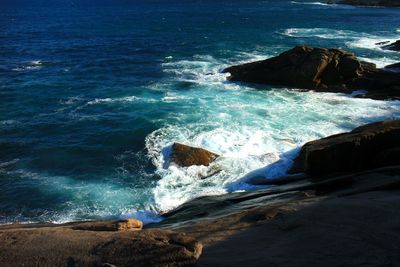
(92, 94)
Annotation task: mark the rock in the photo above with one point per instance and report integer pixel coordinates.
(61, 246)
(363, 148)
(392, 93)
(116, 225)
(303, 67)
(395, 66)
(185, 156)
(387, 157)
(382, 43)
(371, 3)
(395, 46)
(313, 68)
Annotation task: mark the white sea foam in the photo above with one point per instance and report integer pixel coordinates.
(372, 42)
(8, 122)
(323, 33)
(380, 61)
(110, 100)
(255, 132)
(86, 199)
(36, 63)
(349, 38)
(8, 163)
(311, 3)
(258, 138)
(205, 69)
(199, 70)
(31, 65)
(72, 100)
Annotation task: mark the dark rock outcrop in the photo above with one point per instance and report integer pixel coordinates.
(382, 43)
(320, 69)
(371, 3)
(366, 147)
(394, 67)
(185, 156)
(395, 46)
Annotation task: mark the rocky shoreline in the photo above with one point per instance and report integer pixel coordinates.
(345, 204)
(339, 199)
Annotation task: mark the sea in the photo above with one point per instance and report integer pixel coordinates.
(93, 94)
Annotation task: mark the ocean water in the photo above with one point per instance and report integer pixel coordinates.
(92, 94)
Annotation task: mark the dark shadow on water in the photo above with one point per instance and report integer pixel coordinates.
(271, 171)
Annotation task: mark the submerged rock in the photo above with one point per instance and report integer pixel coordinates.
(313, 68)
(366, 147)
(372, 3)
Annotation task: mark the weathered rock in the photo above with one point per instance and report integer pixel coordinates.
(395, 46)
(61, 246)
(116, 225)
(371, 3)
(314, 68)
(357, 150)
(186, 156)
(302, 67)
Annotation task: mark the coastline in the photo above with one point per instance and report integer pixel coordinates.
(332, 216)
(176, 133)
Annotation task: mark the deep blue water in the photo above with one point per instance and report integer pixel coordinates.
(90, 94)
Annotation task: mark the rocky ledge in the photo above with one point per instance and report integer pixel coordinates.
(367, 147)
(320, 69)
(371, 3)
(109, 243)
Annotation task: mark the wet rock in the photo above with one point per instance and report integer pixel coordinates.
(382, 43)
(395, 66)
(395, 46)
(116, 225)
(185, 156)
(364, 148)
(319, 69)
